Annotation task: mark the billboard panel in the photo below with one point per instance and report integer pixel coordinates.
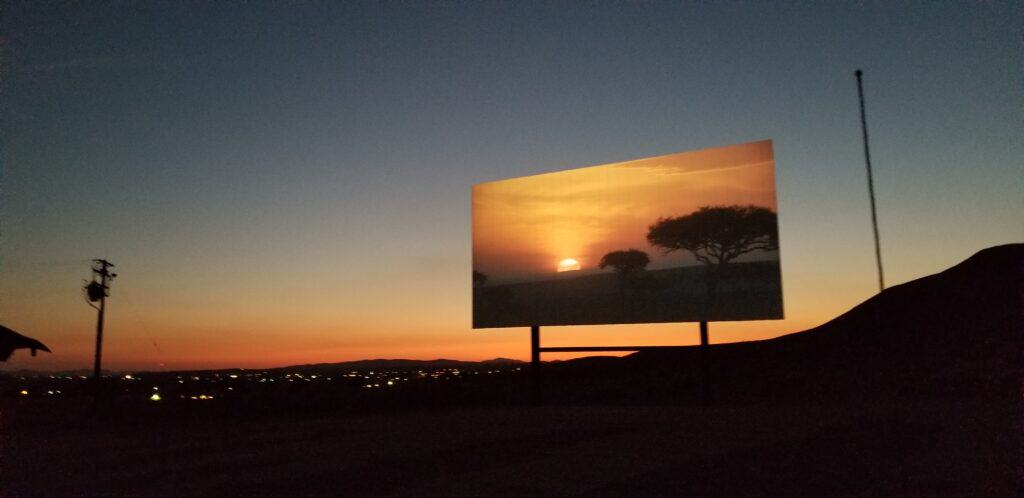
(684, 237)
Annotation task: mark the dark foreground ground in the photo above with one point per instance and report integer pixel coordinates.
(925, 447)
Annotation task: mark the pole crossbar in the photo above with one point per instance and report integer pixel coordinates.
(536, 349)
(576, 349)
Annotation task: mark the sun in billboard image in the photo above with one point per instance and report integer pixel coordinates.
(684, 237)
(568, 264)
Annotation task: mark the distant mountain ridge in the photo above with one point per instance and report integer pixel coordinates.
(355, 365)
(381, 363)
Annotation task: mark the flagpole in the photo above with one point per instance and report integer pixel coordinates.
(871, 184)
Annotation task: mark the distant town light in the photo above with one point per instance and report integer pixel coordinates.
(155, 397)
(24, 392)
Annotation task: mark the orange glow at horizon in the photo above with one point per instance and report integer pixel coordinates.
(336, 307)
(522, 224)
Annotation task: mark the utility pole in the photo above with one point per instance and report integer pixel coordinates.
(871, 184)
(99, 291)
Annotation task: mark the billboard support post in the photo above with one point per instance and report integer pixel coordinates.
(705, 388)
(537, 392)
(537, 396)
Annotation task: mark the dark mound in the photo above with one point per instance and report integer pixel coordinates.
(958, 332)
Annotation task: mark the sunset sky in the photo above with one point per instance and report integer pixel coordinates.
(285, 183)
(523, 228)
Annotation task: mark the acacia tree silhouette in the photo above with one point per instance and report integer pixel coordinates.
(716, 235)
(626, 264)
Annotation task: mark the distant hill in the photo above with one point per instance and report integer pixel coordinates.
(955, 332)
(398, 364)
(344, 366)
(26, 372)
(385, 364)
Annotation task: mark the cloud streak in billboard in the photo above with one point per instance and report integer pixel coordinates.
(684, 237)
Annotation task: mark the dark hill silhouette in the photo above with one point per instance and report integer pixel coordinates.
(393, 364)
(955, 332)
(344, 366)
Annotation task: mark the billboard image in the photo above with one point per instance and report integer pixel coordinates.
(685, 237)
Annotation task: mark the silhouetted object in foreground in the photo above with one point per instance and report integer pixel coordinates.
(628, 265)
(871, 183)
(98, 292)
(479, 279)
(11, 340)
(717, 235)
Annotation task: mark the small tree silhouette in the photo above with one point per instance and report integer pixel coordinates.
(716, 235)
(479, 279)
(626, 264)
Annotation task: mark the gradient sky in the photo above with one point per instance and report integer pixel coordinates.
(286, 183)
(524, 227)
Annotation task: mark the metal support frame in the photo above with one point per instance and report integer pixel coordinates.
(536, 350)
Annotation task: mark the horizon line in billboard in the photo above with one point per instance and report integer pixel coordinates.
(691, 236)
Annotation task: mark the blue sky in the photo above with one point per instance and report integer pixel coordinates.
(284, 174)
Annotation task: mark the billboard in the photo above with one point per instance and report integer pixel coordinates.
(690, 236)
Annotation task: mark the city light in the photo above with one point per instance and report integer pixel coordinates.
(205, 386)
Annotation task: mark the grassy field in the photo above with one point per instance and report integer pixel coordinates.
(746, 291)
